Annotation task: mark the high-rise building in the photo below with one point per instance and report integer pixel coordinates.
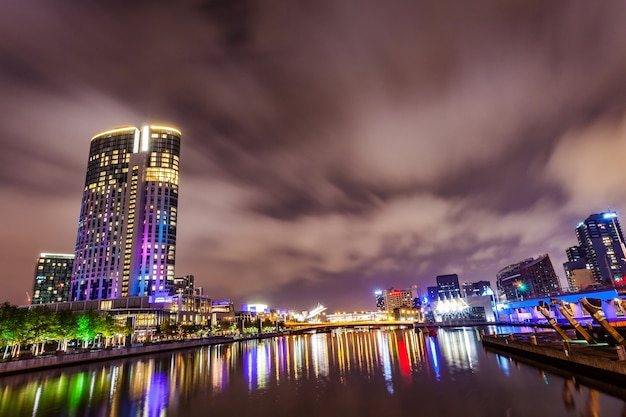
(601, 241)
(448, 286)
(53, 275)
(530, 278)
(576, 266)
(126, 238)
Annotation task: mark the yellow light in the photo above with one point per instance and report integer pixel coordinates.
(166, 128)
(110, 132)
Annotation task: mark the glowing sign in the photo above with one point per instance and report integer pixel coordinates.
(609, 215)
(378, 292)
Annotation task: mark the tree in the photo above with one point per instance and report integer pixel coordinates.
(67, 328)
(109, 328)
(11, 328)
(89, 326)
(40, 325)
(169, 328)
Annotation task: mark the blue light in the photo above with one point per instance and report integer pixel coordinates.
(581, 224)
(378, 292)
(426, 300)
(609, 215)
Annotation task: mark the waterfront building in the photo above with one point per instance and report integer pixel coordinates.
(530, 278)
(126, 238)
(398, 299)
(601, 241)
(145, 313)
(448, 286)
(364, 316)
(476, 288)
(474, 308)
(53, 275)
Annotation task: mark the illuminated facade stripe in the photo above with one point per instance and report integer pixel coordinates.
(126, 237)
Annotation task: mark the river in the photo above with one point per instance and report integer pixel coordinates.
(344, 373)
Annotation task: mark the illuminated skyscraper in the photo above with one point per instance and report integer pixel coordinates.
(52, 278)
(127, 226)
(601, 241)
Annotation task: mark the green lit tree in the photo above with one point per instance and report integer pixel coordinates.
(89, 325)
(12, 331)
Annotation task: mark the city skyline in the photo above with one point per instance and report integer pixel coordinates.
(330, 149)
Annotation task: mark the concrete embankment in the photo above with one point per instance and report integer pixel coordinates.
(597, 361)
(46, 362)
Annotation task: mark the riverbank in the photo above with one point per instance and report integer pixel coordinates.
(599, 361)
(69, 359)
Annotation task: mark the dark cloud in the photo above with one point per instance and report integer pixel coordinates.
(329, 148)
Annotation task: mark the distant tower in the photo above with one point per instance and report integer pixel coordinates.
(380, 301)
(600, 239)
(53, 274)
(127, 226)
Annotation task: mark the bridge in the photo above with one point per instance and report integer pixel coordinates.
(303, 327)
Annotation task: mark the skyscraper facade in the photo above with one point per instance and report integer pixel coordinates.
(126, 239)
(530, 278)
(53, 275)
(601, 241)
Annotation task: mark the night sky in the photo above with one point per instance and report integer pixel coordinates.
(330, 148)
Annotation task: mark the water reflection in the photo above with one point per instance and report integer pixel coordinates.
(345, 373)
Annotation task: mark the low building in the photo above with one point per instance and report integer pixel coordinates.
(476, 288)
(144, 314)
(364, 316)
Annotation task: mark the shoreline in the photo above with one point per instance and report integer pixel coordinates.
(20, 366)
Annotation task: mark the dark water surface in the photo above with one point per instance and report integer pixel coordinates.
(347, 373)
